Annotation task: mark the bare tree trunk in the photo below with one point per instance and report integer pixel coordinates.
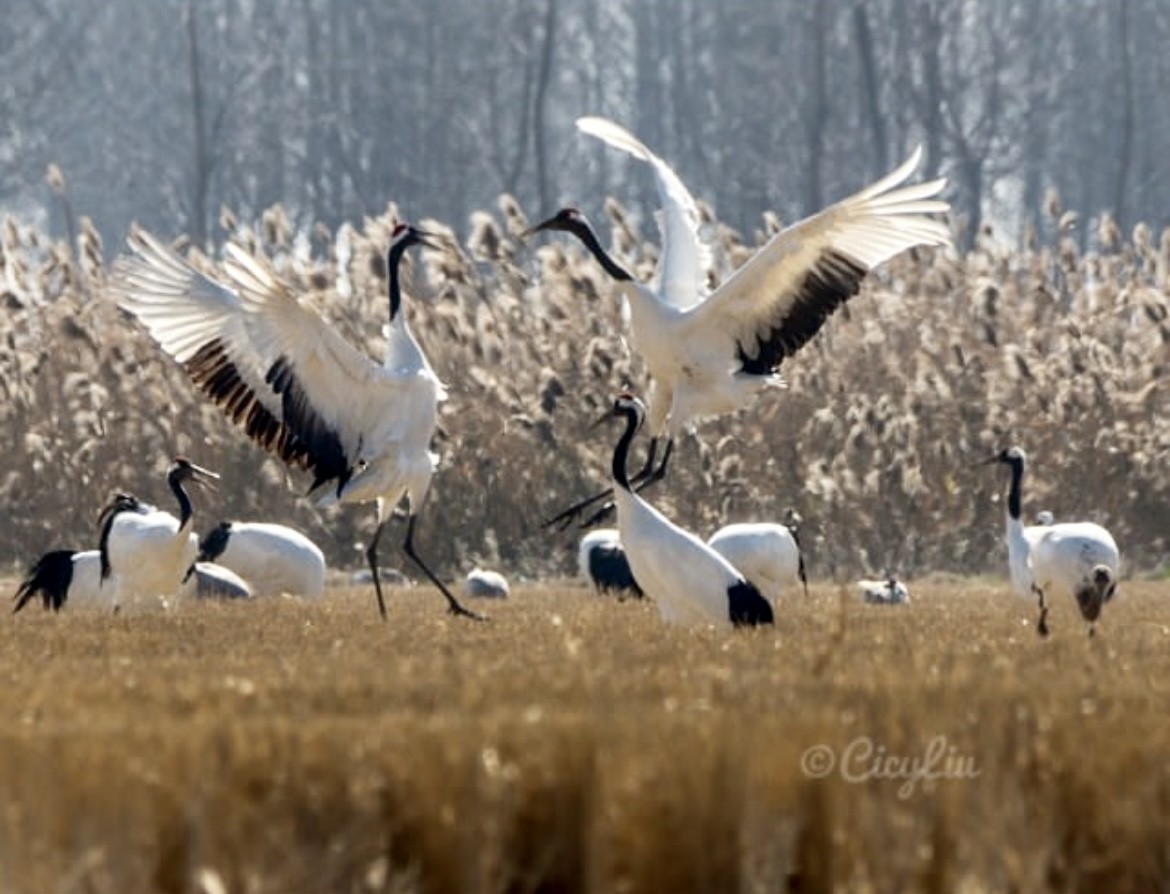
(1125, 152)
(871, 88)
(201, 164)
(542, 80)
(816, 110)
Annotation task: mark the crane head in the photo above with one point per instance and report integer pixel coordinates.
(405, 235)
(568, 220)
(182, 469)
(624, 404)
(1008, 456)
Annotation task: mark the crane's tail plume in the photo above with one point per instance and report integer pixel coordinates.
(1094, 591)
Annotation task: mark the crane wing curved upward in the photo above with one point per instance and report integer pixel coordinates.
(685, 258)
(779, 299)
(296, 387)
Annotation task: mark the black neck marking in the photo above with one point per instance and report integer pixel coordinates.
(584, 232)
(1017, 467)
(622, 451)
(121, 503)
(215, 542)
(392, 261)
(175, 480)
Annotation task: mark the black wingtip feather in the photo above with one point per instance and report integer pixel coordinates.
(833, 280)
(300, 438)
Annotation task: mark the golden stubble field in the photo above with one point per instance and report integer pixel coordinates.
(575, 743)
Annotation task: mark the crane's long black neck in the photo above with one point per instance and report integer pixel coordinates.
(622, 451)
(1017, 467)
(174, 479)
(392, 262)
(583, 232)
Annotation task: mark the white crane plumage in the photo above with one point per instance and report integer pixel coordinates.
(888, 591)
(63, 577)
(766, 553)
(689, 581)
(295, 386)
(711, 353)
(147, 552)
(1077, 559)
(482, 583)
(274, 559)
(602, 562)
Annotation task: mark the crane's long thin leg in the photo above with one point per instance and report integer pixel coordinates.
(372, 558)
(640, 484)
(1042, 624)
(563, 519)
(453, 605)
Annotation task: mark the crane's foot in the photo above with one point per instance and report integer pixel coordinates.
(460, 612)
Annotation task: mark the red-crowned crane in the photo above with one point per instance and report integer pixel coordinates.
(274, 559)
(689, 581)
(711, 353)
(1077, 559)
(147, 552)
(294, 385)
(766, 553)
(64, 577)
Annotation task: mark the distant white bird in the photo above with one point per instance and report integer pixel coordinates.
(602, 561)
(711, 353)
(1045, 518)
(767, 554)
(689, 581)
(483, 584)
(293, 384)
(273, 558)
(1079, 559)
(64, 577)
(889, 591)
(146, 552)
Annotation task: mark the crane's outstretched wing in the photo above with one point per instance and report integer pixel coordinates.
(295, 386)
(685, 258)
(779, 299)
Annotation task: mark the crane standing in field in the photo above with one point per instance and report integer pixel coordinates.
(1075, 558)
(709, 354)
(688, 580)
(146, 551)
(295, 386)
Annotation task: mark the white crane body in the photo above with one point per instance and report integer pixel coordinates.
(767, 554)
(274, 559)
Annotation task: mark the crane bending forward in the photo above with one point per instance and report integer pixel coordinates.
(710, 353)
(293, 384)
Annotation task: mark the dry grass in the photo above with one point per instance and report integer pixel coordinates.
(577, 744)
(940, 360)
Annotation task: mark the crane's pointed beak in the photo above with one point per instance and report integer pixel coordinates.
(423, 238)
(204, 477)
(597, 423)
(539, 228)
(979, 464)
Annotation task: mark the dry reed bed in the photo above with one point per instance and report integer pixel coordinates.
(940, 361)
(576, 744)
